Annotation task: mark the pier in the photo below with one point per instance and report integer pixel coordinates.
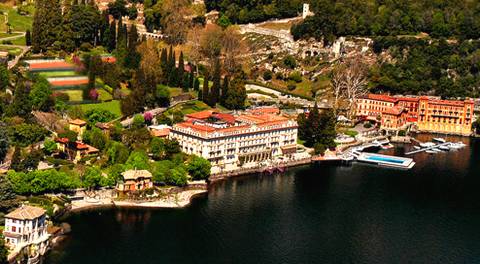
(427, 148)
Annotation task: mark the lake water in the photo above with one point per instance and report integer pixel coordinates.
(311, 214)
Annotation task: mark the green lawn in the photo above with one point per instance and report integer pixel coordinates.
(104, 95)
(58, 74)
(17, 21)
(75, 95)
(112, 106)
(19, 41)
(6, 35)
(189, 107)
(11, 50)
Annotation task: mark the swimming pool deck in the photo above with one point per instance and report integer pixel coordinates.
(385, 160)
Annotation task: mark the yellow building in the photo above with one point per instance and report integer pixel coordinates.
(79, 126)
(445, 116)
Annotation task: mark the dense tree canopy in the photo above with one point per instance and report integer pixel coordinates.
(241, 11)
(426, 67)
(442, 18)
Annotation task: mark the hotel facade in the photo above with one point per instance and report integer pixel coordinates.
(427, 113)
(230, 142)
(445, 116)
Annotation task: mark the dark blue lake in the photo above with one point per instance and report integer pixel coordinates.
(311, 214)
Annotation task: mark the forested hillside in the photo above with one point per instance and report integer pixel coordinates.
(438, 18)
(243, 11)
(420, 66)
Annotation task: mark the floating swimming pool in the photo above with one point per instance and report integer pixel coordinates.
(378, 158)
(385, 160)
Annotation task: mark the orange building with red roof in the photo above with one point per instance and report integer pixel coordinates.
(445, 116)
(394, 118)
(229, 141)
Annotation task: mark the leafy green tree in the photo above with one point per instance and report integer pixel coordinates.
(161, 170)
(137, 160)
(47, 23)
(24, 135)
(92, 178)
(3, 251)
(224, 21)
(4, 77)
(95, 116)
(118, 8)
(49, 146)
(116, 153)
(7, 196)
(162, 95)
(157, 148)
(199, 168)
(178, 176)
(96, 138)
(41, 95)
(21, 102)
(138, 121)
(4, 142)
(236, 95)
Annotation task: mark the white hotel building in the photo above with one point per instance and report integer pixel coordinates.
(230, 142)
(26, 226)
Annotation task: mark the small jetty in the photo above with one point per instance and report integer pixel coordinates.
(432, 148)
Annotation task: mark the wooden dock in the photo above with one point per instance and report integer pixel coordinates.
(427, 148)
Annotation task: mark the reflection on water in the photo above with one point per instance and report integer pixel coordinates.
(313, 214)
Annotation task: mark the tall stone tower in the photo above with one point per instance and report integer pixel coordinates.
(306, 10)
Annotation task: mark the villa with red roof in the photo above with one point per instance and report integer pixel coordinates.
(232, 141)
(429, 114)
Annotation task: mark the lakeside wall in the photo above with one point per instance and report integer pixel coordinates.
(258, 169)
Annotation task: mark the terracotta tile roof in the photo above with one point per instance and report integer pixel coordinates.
(62, 140)
(408, 99)
(447, 102)
(164, 132)
(135, 174)
(201, 115)
(26, 212)
(381, 97)
(225, 117)
(394, 111)
(265, 110)
(78, 122)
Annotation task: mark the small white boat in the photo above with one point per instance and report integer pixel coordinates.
(417, 147)
(445, 148)
(427, 144)
(441, 140)
(430, 151)
(387, 146)
(436, 150)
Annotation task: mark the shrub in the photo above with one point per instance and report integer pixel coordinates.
(295, 76)
(267, 75)
(291, 86)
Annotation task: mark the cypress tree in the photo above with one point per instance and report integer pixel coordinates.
(205, 88)
(173, 75)
(223, 95)
(196, 84)
(163, 59)
(191, 78)
(28, 38)
(132, 60)
(215, 94)
(111, 37)
(180, 73)
(68, 42)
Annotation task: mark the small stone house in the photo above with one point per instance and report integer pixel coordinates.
(135, 180)
(79, 126)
